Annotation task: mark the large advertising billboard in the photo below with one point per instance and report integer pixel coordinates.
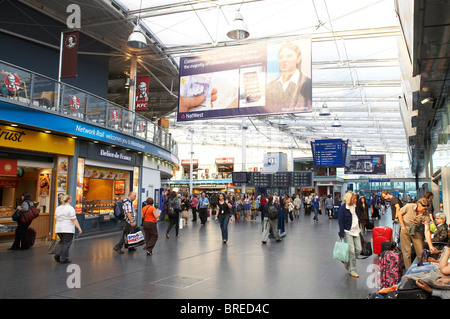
(367, 164)
(271, 78)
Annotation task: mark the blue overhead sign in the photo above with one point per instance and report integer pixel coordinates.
(27, 116)
(329, 153)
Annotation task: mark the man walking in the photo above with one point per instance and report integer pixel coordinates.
(203, 203)
(129, 221)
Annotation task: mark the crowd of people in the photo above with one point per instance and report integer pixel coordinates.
(413, 223)
(222, 208)
(416, 225)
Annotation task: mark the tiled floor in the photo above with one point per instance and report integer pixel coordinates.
(195, 266)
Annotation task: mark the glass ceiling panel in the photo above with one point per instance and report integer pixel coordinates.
(355, 67)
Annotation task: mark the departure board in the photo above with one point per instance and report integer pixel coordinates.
(282, 179)
(329, 153)
(259, 179)
(302, 178)
(279, 179)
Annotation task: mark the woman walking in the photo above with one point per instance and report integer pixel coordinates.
(349, 230)
(223, 213)
(363, 212)
(150, 214)
(246, 201)
(66, 221)
(316, 206)
(174, 209)
(329, 206)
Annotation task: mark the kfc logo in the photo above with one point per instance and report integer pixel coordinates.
(114, 117)
(12, 82)
(140, 127)
(74, 102)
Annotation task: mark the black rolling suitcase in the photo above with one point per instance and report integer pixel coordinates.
(31, 232)
(408, 290)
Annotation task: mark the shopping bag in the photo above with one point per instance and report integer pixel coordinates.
(134, 238)
(341, 252)
(54, 246)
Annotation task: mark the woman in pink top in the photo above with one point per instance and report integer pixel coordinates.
(194, 204)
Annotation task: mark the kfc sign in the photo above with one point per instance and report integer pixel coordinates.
(12, 82)
(74, 102)
(142, 83)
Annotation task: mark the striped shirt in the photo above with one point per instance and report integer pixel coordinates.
(128, 208)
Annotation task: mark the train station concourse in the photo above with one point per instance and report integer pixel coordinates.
(114, 110)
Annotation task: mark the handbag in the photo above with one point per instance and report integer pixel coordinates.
(366, 248)
(17, 215)
(54, 246)
(369, 224)
(29, 215)
(341, 251)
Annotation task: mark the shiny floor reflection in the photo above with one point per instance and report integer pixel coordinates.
(197, 265)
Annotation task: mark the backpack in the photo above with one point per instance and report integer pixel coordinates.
(29, 215)
(171, 212)
(273, 212)
(118, 210)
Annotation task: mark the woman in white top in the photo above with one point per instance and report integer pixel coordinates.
(349, 230)
(66, 221)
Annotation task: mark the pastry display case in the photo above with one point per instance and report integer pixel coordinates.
(6, 211)
(99, 208)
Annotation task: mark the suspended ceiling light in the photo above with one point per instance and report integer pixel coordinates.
(324, 111)
(137, 39)
(336, 122)
(239, 29)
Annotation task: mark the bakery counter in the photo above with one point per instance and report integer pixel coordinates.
(41, 224)
(96, 222)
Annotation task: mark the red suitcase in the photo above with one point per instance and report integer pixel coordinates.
(379, 235)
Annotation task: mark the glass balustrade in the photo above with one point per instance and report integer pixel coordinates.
(38, 91)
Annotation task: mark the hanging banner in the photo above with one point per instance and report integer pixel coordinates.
(273, 78)
(142, 83)
(69, 47)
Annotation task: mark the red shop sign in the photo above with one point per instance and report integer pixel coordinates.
(8, 167)
(9, 184)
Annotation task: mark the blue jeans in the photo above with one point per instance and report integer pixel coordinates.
(354, 246)
(223, 221)
(281, 220)
(316, 213)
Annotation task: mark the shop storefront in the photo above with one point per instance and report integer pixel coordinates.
(33, 162)
(225, 167)
(105, 175)
(186, 167)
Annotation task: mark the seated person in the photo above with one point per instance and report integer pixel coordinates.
(444, 268)
(440, 235)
